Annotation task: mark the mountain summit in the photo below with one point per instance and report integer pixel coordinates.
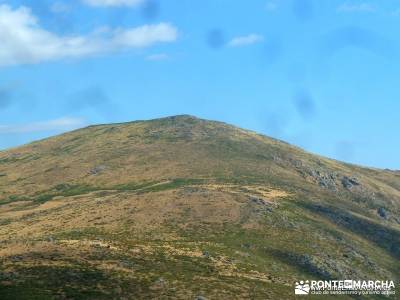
(180, 207)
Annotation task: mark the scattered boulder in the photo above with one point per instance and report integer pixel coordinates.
(266, 205)
(200, 298)
(96, 170)
(348, 182)
(330, 180)
(327, 180)
(323, 178)
(206, 254)
(382, 213)
(257, 200)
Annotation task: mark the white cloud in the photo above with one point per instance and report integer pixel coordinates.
(113, 2)
(61, 124)
(158, 56)
(360, 7)
(246, 40)
(23, 41)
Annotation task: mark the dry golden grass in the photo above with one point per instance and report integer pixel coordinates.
(179, 207)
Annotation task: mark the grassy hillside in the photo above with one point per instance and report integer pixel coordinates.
(179, 208)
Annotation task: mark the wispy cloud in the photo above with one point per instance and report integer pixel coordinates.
(157, 57)
(113, 2)
(23, 41)
(359, 7)
(61, 124)
(246, 40)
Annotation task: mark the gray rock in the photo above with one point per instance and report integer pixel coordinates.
(324, 178)
(348, 182)
(266, 205)
(382, 213)
(200, 298)
(96, 170)
(257, 200)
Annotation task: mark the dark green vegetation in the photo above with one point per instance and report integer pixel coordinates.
(180, 207)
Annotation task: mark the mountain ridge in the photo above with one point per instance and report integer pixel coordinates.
(193, 117)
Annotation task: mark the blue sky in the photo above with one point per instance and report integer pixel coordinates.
(323, 75)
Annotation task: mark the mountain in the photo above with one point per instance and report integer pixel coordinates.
(180, 207)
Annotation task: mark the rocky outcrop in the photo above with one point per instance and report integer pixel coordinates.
(348, 182)
(263, 205)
